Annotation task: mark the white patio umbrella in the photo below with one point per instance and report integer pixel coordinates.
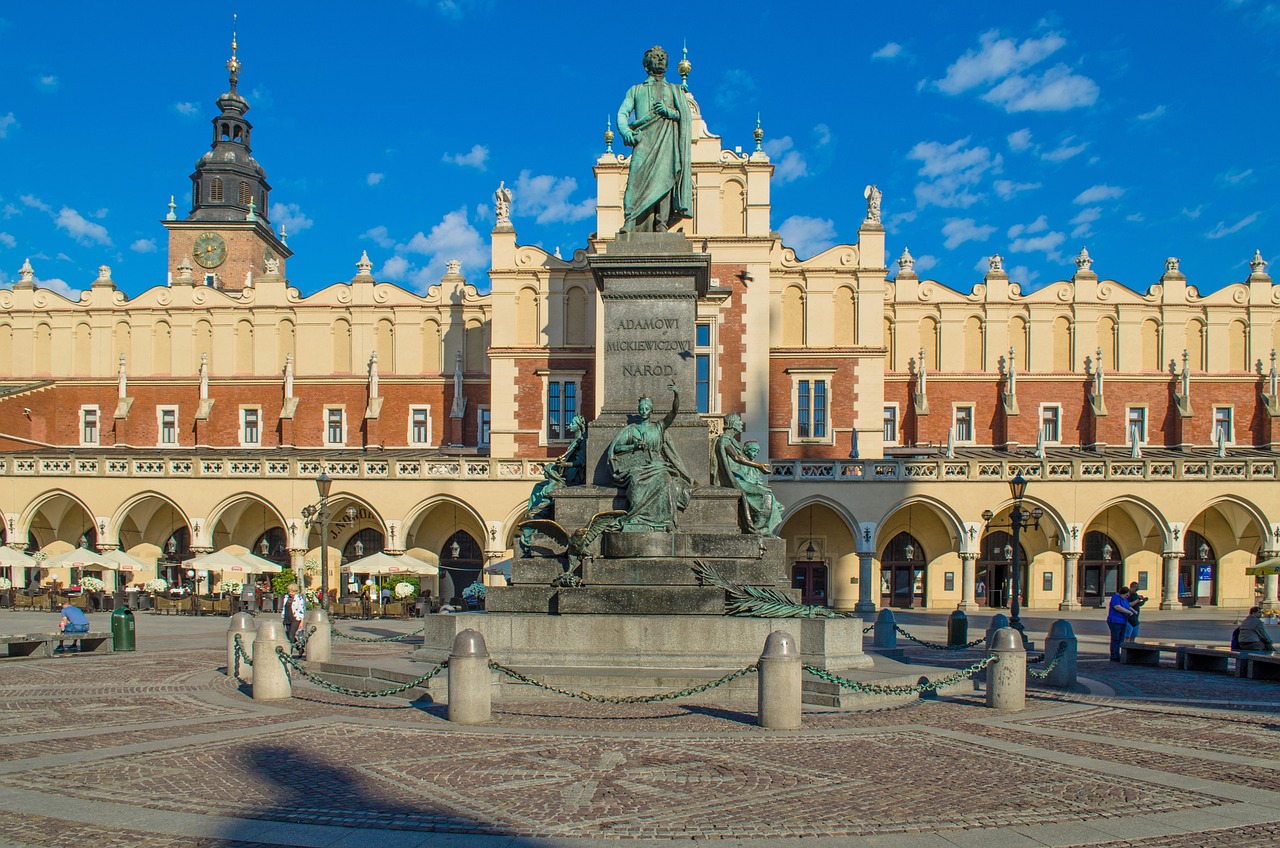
(384, 563)
(127, 562)
(229, 562)
(81, 558)
(14, 560)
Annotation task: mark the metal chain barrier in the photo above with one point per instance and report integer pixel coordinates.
(869, 628)
(291, 664)
(1041, 675)
(934, 646)
(354, 638)
(241, 656)
(625, 699)
(914, 689)
(300, 638)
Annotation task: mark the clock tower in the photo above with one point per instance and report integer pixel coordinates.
(227, 240)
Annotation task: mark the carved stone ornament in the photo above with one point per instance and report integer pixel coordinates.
(906, 262)
(364, 267)
(26, 272)
(104, 272)
(1257, 264)
(452, 267)
(996, 263)
(502, 204)
(185, 270)
(873, 195)
(1171, 265)
(273, 265)
(1083, 261)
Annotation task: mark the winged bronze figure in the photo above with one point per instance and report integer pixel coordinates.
(577, 545)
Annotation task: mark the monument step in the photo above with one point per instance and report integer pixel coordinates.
(681, 544)
(652, 600)
(656, 571)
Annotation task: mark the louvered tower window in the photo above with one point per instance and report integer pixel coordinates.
(245, 194)
(215, 188)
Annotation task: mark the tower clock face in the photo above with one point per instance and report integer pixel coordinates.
(209, 250)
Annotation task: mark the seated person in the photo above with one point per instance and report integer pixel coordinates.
(73, 621)
(1253, 635)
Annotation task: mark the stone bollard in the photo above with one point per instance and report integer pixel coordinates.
(779, 671)
(998, 621)
(957, 629)
(885, 636)
(241, 625)
(470, 686)
(1007, 677)
(319, 643)
(1064, 673)
(270, 680)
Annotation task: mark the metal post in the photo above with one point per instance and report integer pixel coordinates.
(324, 549)
(1016, 518)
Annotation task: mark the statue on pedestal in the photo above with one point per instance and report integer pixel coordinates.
(735, 468)
(645, 463)
(568, 469)
(659, 185)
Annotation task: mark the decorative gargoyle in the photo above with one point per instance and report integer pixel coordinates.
(577, 544)
(759, 601)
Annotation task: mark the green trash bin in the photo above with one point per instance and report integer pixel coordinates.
(122, 635)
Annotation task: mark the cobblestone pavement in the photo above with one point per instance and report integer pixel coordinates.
(160, 748)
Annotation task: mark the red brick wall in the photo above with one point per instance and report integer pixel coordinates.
(841, 397)
(530, 411)
(731, 338)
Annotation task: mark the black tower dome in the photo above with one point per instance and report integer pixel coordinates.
(228, 182)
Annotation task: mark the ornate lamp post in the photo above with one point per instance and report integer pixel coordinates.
(1019, 520)
(319, 515)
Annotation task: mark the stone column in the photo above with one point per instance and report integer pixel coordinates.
(298, 560)
(1269, 582)
(868, 582)
(1070, 573)
(968, 574)
(1169, 592)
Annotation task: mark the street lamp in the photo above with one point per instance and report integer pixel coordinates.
(194, 577)
(319, 515)
(1019, 520)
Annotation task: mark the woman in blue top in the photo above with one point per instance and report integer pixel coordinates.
(1118, 612)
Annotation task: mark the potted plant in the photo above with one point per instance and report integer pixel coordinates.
(474, 595)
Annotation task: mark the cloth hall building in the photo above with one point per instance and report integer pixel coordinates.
(893, 412)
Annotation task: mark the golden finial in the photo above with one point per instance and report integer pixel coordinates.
(684, 67)
(758, 133)
(233, 64)
(608, 134)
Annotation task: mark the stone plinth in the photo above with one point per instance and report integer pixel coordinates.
(649, 288)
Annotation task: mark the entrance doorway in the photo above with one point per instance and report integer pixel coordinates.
(904, 576)
(1099, 569)
(993, 573)
(1197, 572)
(811, 579)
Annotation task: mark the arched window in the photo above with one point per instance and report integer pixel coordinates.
(226, 134)
(792, 317)
(575, 316)
(846, 317)
(1099, 569)
(528, 327)
(82, 351)
(459, 570)
(430, 347)
(473, 354)
(203, 344)
(367, 542)
(1151, 346)
(286, 341)
(1062, 353)
(6, 350)
(1237, 347)
(42, 355)
(1197, 572)
(993, 575)
(1107, 343)
(929, 343)
(733, 208)
(974, 343)
(215, 189)
(276, 548)
(1195, 345)
(384, 341)
(341, 347)
(1018, 341)
(161, 349)
(244, 347)
(903, 574)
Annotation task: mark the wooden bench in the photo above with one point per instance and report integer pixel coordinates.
(1145, 653)
(1263, 666)
(1195, 658)
(42, 644)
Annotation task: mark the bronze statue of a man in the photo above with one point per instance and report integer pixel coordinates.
(659, 186)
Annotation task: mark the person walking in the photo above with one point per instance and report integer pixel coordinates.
(1135, 603)
(1118, 612)
(295, 607)
(1252, 635)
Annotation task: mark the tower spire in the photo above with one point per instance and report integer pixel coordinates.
(233, 64)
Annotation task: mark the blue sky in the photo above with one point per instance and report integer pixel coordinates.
(1138, 129)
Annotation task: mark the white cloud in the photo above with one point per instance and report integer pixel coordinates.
(395, 269)
(1047, 244)
(8, 240)
(379, 236)
(996, 59)
(1020, 140)
(891, 50)
(474, 158)
(788, 163)
(925, 262)
(1008, 189)
(1084, 221)
(9, 211)
(7, 121)
(1193, 213)
(62, 287)
(900, 218)
(81, 229)
(290, 216)
(1039, 225)
(1135, 217)
(737, 88)
(1223, 230)
(144, 246)
(453, 238)
(951, 170)
(808, 236)
(1098, 193)
(261, 97)
(1066, 150)
(1157, 112)
(547, 199)
(374, 178)
(1234, 177)
(1056, 90)
(100, 214)
(48, 82)
(187, 109)
(1022, 274)
(960, 230)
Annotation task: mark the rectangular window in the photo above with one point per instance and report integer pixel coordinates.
(250, 431)
(811, 409)
(1051, 423)
(819, 409)
(168, 425)
(485, 426)
(1223, 428)
(1136, 425)
(702, 366)
(210, 279)
(562, 405)
(802, 410)
(962, 423)
(420, 425)
(891, 425)
(88, 425)
(335, 429)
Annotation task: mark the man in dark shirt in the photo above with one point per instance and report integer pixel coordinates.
(1135, 603)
